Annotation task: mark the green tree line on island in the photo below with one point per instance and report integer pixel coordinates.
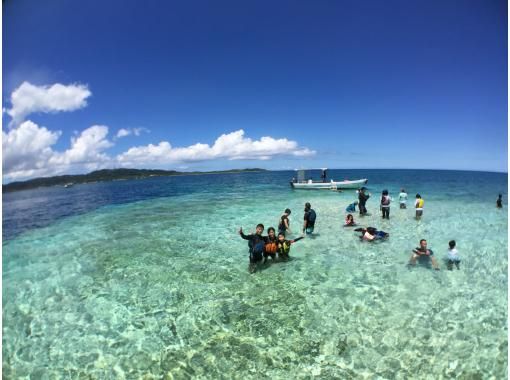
(106, 175)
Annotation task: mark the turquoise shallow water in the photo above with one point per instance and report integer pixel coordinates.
(155, 284)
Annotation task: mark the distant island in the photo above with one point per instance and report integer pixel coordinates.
(107, 175)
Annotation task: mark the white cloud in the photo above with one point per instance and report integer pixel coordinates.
(27, 151)
(232, 146)
(87, 148)
(27, 148)
(28, 98)
(123, 132)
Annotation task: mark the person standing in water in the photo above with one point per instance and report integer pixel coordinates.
(499, 201)
(309, 219)
(418, 204)
(284, 224)
(256, 243)
(385, 204)
(270, 246)
(283, 247)
(453, 255)
(362, 201)
(402, 198)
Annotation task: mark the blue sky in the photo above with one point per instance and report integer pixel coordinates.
(393, 84)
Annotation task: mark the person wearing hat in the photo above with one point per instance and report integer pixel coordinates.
(284, 224)
(362, 201)
(309, 219)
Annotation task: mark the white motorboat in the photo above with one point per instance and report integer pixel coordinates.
(332, 185)
(309, 184)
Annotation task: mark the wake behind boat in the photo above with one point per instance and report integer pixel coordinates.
(302, 183)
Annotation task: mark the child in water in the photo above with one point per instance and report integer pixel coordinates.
(349, 221)
(271, 245)
(283, 246)
(256, 244)
(453, 256)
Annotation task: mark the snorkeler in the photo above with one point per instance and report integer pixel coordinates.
(349, 221)
(283, 246)
(423, 251)
(372, 234)
(256, 244)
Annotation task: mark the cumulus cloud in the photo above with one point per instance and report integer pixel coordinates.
(28, 98)
(87, 148)
(232, 146)
(27, 148)
(28, 152)
(123, 132)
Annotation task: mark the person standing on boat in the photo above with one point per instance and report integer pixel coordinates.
(362, 201)
(309, 219)
(323, 175)
(385, 204)
(284, 224)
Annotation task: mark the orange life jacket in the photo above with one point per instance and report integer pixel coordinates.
(271, 247)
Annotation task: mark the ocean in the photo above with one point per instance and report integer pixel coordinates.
(149, 279)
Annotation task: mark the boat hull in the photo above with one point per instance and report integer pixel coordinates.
(332, 185)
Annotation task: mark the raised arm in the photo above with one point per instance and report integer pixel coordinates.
(245, 237)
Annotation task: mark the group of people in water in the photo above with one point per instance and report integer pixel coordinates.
(277, 247)
(385, 202)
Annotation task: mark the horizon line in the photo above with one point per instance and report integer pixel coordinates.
(262, 169)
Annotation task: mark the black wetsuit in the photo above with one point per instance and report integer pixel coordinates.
(281, 226)
(499, 203)
(310, 214)
(362, 198)
(256, 245)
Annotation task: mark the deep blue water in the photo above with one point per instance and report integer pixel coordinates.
(29, 209)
